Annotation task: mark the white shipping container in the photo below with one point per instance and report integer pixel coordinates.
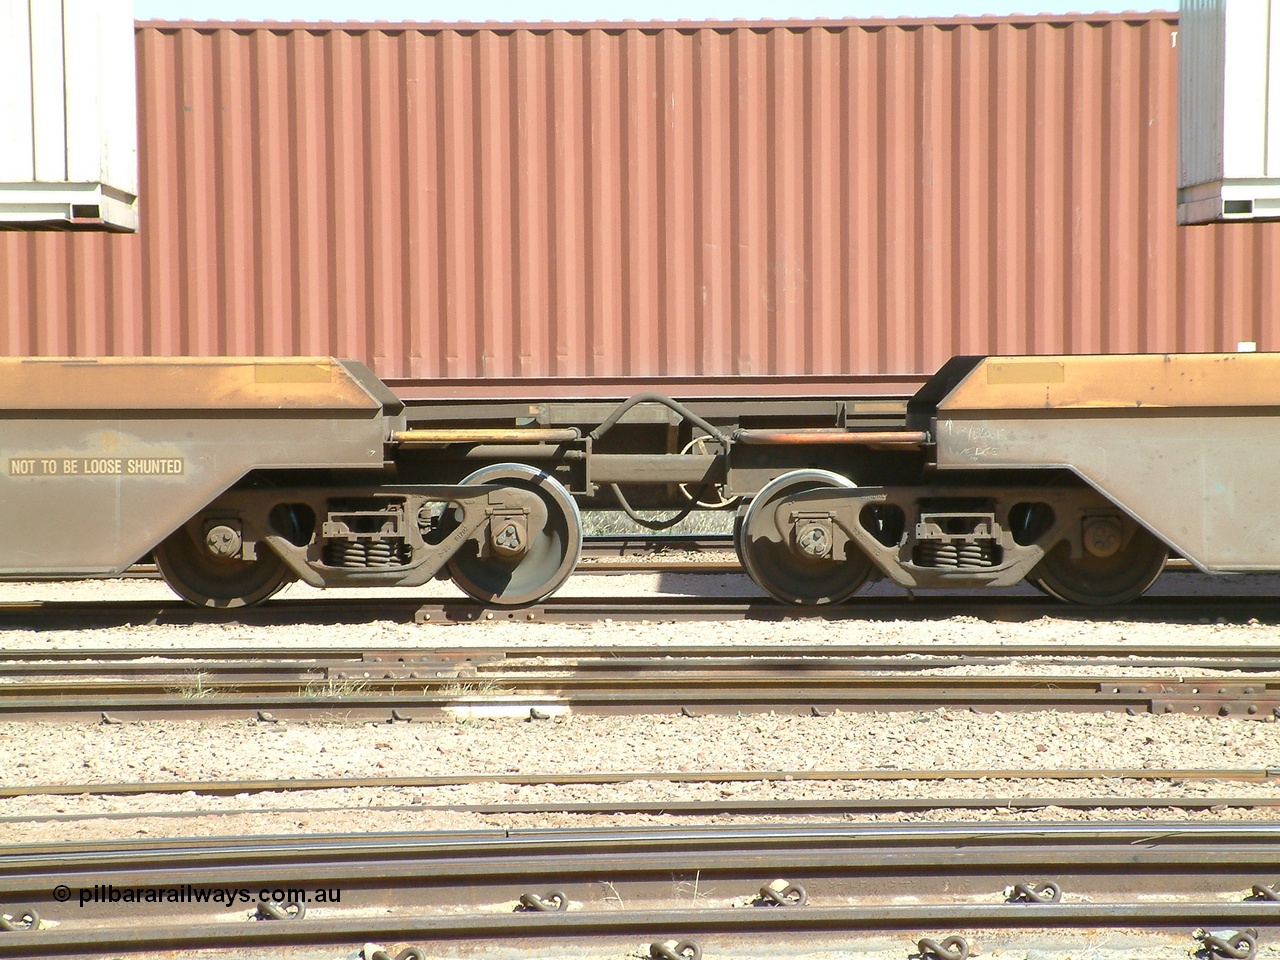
(1229, 110)
(68, 114)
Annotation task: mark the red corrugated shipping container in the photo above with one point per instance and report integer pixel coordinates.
(839, 201)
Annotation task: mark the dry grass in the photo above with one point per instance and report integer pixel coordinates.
(193, 686)
(615, 523)
(334, 687)
(477, 688)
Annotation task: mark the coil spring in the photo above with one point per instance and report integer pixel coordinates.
(957, 554)
(366, 553)
(346, 553)
(385, 553)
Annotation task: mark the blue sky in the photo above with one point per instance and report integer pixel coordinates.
(477, 10)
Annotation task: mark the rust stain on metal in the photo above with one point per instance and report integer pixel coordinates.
(484, 435)
(873, 437)
(807, 199)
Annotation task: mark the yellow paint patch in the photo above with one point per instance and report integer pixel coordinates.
(893, 406)
(1233, 382)
(1025, 371)
(292, 373)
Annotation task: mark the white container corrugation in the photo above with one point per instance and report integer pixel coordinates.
(1229, 110)
(68, 114)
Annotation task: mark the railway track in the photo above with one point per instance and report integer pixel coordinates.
(1005, 792)
(405, 687)
(237, 787)
(740, 810)
(672, 550)
(644, 545)
(459, 893)
(97, 614)
(1252, 656)
(232, 664)
(691, 554)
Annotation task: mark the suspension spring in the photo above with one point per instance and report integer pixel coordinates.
(359, 554)
(957, 554)
(346, 553)
(386, 553)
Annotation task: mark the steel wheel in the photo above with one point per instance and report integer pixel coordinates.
(205, 579)
(1119, 578)
(763, 540)
(554, 544)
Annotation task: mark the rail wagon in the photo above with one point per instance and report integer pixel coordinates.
(1078, 474)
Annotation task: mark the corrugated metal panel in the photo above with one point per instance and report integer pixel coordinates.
(1230, 110)
(1202, 81)
(637, 200)
(67, 112)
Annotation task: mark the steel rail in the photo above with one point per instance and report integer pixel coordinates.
(862, 860)
(1260, 655)
(920, 607)
(452, 886)
(660, 564)
(246, 676)
(634, 682)
(645, 873)
(560, 609)
(735, 930)
(594, 547)
(659, 560)
(778, 809)
(251, 667)
(236, 787)
(622, 553)
(272, 669)
(539, 698)
(655, 545)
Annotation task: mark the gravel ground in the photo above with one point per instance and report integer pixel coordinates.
(388, 634)
(181, 752)
(168, 752)
(176, 752)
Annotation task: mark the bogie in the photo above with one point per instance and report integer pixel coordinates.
(250, 542)
(1068, 541)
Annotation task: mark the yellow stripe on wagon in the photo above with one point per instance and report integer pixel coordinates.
(1192, 380)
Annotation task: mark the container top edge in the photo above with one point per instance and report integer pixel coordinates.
(1168, 16)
